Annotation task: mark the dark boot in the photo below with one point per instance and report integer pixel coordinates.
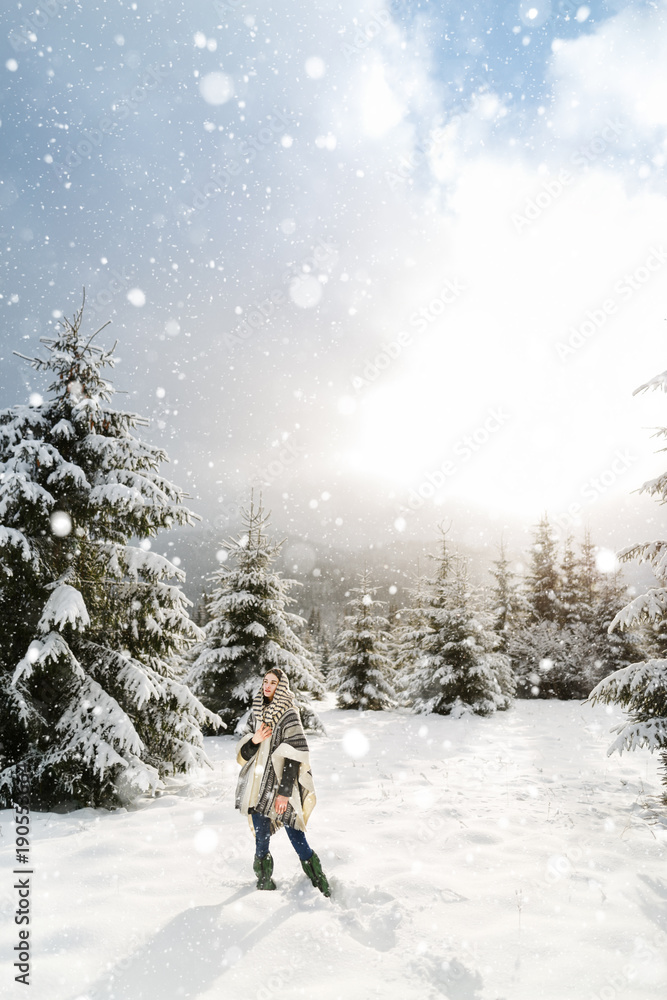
(313, 869)
(263, 869)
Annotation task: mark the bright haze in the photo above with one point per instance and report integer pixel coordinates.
(392, 262)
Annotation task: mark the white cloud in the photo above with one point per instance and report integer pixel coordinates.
(381, 109)
(617, 71)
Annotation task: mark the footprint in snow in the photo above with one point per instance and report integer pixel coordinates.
(370, 916)
(452, 978)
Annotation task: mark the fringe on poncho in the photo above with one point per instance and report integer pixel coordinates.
(260, 776)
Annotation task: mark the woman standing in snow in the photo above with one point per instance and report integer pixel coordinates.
(275, 786)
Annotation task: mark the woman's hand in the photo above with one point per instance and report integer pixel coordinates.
(262, 733)
(281, 803)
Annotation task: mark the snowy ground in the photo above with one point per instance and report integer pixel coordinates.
(475, 859)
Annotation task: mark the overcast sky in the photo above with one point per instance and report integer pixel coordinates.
(399, 254)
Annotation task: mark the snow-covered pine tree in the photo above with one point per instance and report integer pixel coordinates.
(313, 654)
(316, 641)
(407, 636)
(458, 670)
(361, 670)
(250, 629)
(507, 606)
(90, 700)
(565, 658)
(620, 647)
(569, 588)
(641, 688)
(555, 661)
(590, 582)
(543, 583)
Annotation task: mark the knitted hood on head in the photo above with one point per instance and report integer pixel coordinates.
(270, 712)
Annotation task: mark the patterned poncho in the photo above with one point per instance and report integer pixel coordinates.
(260, 776)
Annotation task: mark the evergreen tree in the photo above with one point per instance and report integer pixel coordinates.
(316, 640)
(313, 654)
(360, 666)
(555, 661)
(544, 579)
(569, 589)
(617, 648)
(458, 669)
(507, 606)
(314, 622)
(565, 658)
(200, 613)
(90, 698)
(590, 584)
(251, 631)
(641, 688)
(407, 637)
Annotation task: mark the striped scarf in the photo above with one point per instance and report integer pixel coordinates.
(260, 776)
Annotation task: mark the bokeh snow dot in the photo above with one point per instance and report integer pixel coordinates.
(205, 840)
(534, 13)
(35, 399)
(306, 291)
(216, 88)
(558, 866)
(424, 798)
(61, 523)
(34, 649)
(136, 297)
(315, 67)
(288, 226)
(355, 744)
(606, 561)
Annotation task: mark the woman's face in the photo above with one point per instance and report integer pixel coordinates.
(270, 685)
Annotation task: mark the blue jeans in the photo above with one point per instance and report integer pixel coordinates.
(297, 838)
